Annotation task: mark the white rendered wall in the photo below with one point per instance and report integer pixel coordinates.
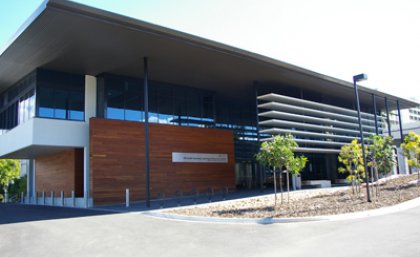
(43, 132)
(90, 111)
(66, 133)
(90, 97)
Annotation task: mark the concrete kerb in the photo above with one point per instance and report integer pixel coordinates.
(345, 216)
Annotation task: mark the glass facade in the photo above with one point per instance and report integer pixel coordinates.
(60, 95)
(239, 115)
(45, 94)
(17, 104)
(168, 103)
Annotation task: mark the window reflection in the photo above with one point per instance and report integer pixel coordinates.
(60, 95)
(168, 103)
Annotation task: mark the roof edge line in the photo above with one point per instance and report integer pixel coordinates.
(35, 14)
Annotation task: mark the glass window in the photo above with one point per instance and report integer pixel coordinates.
(124, 99)
(76, 106)
(46, 99)
(168, 103)
(60, 95)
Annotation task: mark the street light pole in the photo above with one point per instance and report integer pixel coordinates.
(356, 92)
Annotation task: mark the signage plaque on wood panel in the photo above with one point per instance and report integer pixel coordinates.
(200, 157)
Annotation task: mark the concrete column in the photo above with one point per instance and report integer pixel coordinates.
(90, 97)
(30, 179)
(90, 111)
(29, 183)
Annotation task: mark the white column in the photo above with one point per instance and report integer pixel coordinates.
(90, 97)
(90, 111)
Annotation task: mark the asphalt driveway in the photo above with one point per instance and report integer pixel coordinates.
(133, 234)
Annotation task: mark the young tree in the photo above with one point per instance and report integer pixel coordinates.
(380, 156)
(294, 165)
(9, 171)
(351, 156)
(275, 154)
(411, 147)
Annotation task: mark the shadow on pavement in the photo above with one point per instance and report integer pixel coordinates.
(16, 213)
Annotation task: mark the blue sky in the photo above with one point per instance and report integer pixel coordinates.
(336, 38)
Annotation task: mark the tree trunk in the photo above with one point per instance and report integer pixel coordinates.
(281, 187)
(377, 183)
(288, 187)
(275, 189)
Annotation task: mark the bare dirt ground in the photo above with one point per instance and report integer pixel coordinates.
(392, 191)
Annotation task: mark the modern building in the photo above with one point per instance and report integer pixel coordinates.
(407, 116)
(100, 102)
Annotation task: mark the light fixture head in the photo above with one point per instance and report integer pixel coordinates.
(360, 77)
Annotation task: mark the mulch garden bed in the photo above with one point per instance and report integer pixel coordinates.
(393, 190)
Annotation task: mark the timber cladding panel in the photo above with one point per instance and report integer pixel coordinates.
(117, 160)
(61, 171)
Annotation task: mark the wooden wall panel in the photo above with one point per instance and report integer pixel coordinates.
(62, 171)
(117, 160)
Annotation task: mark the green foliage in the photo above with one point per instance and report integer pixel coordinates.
(18, 187)
(277, 152)
(9, 171)
(295, 164)
(411, 147)
(351, 156)
(381, 153)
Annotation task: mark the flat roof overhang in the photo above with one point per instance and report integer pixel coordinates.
(71, 37)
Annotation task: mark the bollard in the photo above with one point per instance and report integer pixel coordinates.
(162, 202)
(195, 195)
(86, 199)
(209, 194)
(62, 198)
(21, 198)
(36, 198)
(179, 196)
(73, 199)
(127, 198)
(52, 198)
(223, 194)
(43, 198)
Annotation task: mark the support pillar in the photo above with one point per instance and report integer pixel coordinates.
(257, 127)
(401, 159)
(30, 185)
(146, 129)
(86, 176)
(375, 111)
(400, 121)
(387, 116)
(90, 111)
